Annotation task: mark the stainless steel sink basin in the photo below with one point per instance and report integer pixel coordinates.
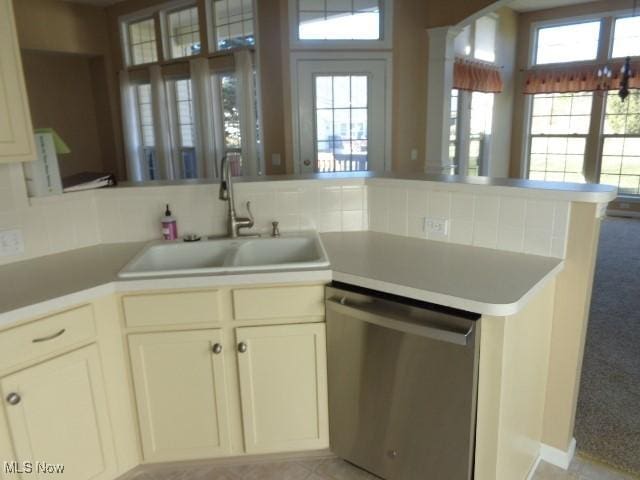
(289, 252)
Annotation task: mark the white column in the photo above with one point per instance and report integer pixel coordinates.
(439, 85)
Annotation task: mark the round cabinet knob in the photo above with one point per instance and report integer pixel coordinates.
(217, 349)
(242, 347)
(13, 399)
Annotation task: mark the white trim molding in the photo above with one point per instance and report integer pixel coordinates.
(557, 457)
(534, 468)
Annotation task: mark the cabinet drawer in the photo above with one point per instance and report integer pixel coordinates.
(47, 335)
(174, 308)
(278, 302)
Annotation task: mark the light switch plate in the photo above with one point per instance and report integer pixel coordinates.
(11, 242)
(436, 226)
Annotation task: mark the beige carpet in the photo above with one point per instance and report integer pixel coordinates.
(608, 418)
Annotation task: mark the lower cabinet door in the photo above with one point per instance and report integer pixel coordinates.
(283, 385)
(58, 418)
(181, 394)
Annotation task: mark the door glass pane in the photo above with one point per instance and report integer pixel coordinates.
(341, 116)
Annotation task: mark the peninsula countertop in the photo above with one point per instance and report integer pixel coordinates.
(480, 280)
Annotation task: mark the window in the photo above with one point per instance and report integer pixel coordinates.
(567, 43)
(340, 107)
(339, 20)
(183, 33)
(231, 122)
(141, 36)
(621, 143)
(480, 132)
(147, 135)
(233, 23)
(471, 118)
(453, 127)
(186, 130)
(209, 129)
(485, 38)
(626, 37)
(559, 128)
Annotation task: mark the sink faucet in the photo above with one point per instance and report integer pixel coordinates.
(234, 223)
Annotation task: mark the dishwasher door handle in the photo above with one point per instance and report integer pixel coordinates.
(340, 305)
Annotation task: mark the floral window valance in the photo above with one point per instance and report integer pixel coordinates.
(576, 79)
(476, 76)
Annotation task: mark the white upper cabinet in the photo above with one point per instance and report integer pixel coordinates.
(16, 129)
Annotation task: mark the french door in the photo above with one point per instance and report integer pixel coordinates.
(341, 115)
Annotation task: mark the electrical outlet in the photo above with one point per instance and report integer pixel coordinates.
(276, 160)
(11, 242)
(436, 226)
(414, 154)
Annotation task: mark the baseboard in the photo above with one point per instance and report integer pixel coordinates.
(558, 457)
(534, 467)
(623, 213)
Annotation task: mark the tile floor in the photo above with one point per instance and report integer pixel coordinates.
(331, 468)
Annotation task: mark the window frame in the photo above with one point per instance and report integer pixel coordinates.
(124, 22)
(212, 37)
(163, 13)
(142, 147)
(613, 17)
(595, 136)
(560, 22)
(536, 27)
(383, 43)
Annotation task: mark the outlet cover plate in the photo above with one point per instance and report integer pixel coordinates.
(436, 226)
(11, 242)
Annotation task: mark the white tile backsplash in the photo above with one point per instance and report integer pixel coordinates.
(55, 224)
(510, 223)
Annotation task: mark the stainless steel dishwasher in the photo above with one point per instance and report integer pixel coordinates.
(402, 384)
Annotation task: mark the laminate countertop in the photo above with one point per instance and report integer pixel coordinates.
(480, 280)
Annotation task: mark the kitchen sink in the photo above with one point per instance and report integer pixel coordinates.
(294, 251)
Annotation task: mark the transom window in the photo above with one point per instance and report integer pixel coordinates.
(233, 23)
(142, 42)
(340, 104)
(339, 20)
(183, 32)
(626, 37)
(567, 43)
